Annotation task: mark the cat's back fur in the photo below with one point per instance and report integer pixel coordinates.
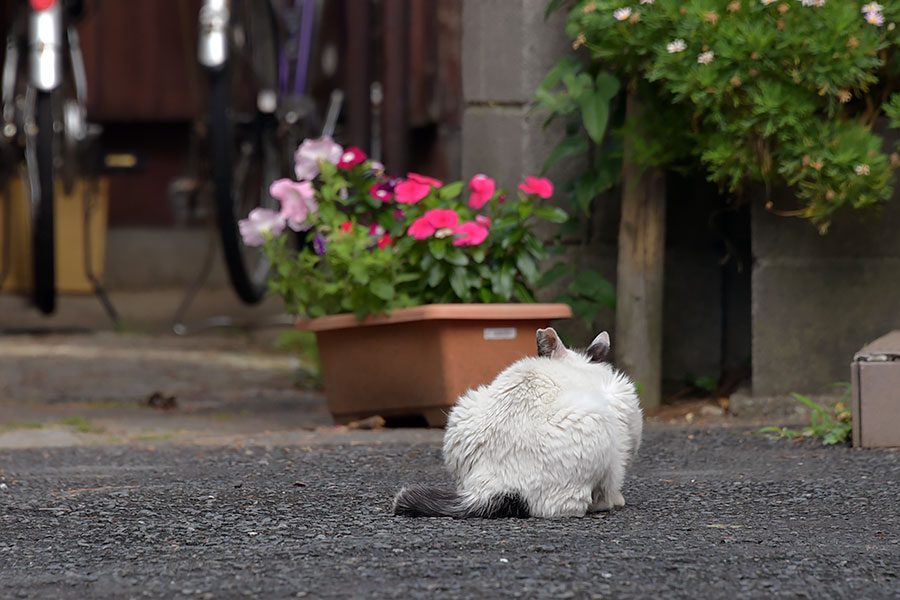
(550, 436)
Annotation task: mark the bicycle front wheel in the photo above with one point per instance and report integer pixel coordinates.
(44, 252)
(243, 149)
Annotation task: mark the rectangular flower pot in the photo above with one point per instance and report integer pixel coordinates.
(417, 361)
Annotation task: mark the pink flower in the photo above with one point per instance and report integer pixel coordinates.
(482, 188)
(310, 152)
(410, 192)
(351, 156)
(346, 226)
(441, 217)
(297, 202)
(381, 191)
(375, 230)
(435, 183)
(537, 185)
(384, 240)
(483, 220)
(470, 233)
(259, 222)
(421, 229)
(399, 215)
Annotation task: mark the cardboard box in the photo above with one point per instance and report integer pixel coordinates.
(875, 376)
(70, 232)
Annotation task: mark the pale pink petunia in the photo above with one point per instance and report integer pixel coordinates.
(483, 220)
(410, 192)
(259, 222)
(470, 233)
(537, 185)
(310, 152)
(482, 189)
(297, 202)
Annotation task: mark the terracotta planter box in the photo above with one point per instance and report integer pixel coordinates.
(417, 361)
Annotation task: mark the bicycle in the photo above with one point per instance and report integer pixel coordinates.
(256, 57)
(44, 122)
(257, 115)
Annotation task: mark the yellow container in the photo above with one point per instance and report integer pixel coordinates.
(71, 276)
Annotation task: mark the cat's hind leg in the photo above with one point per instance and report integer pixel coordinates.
(607, 493)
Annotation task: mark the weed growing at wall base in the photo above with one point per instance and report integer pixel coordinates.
(833, 425)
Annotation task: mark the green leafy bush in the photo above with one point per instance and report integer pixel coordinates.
(769, 91)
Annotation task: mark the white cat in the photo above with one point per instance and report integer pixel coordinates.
(551, 436)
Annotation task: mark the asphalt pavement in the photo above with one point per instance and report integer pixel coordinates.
(711, 513)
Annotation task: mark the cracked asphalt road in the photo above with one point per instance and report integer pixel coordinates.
(711, 513)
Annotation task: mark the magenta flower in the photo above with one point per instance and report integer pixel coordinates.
(384, 241)
(537, 185)
(482, 188)
(259, 222)
(351, 157)
(435, 183)
(421, 229)
(470, 233)
(297, 202)
(376, 230)
(442, 217)
(381, 191)
(410, 192)
(483, 220)
(310, 152)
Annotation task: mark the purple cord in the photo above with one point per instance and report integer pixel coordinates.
(306, 31)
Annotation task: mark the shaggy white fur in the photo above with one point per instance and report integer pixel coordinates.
(554, 432)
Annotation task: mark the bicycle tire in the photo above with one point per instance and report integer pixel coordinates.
(43, 233)
(248, 280)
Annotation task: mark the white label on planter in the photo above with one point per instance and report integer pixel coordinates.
(499, 333)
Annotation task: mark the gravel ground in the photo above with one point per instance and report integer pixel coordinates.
(711, 513)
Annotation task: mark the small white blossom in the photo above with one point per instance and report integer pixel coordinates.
(875, 18)
(647, 1)
(676, 46)
(706, 57)
(817, 3)
(622, 13)
(766, 2)
(862, 169)
(871, 7)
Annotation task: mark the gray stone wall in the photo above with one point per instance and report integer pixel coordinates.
(818, 299)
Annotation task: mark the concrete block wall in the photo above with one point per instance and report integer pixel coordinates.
(818, 299)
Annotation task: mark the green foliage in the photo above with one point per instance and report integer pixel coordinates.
(359, 254)
(587, 293)
(777, 92)
(833, 425)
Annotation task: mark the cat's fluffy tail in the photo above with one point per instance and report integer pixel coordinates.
(421, 501)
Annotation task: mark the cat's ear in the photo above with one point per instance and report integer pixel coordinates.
(599, 348)
(548, 343)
